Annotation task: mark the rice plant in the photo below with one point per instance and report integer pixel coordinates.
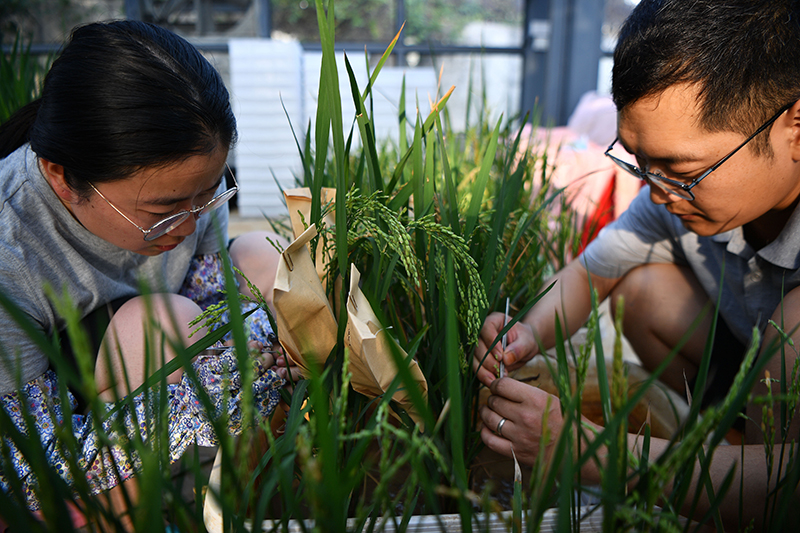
(22, 74)
(444, 226)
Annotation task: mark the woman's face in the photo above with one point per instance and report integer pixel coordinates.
(147, 197)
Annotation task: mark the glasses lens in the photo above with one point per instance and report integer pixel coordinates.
(624, 165)
(165, 226)
(170, 223)
(218, 201)
(669, 187)
(662, 183)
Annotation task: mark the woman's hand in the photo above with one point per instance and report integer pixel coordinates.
(524, 409)
(262, 355)
(521, 346)
(274, 358)
(286, 368)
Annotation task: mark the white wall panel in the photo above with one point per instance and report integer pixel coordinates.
(386, 93)
(266, 76)
(420, 84)
(264, 73)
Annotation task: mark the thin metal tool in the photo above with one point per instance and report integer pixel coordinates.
(505, 335)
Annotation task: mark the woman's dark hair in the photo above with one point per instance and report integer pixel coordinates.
(122, 96)
(743, 56)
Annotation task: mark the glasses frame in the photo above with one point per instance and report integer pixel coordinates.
(683, 190)
(173, 221)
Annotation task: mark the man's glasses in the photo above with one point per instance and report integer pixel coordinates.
(162, 227)
(684, 190)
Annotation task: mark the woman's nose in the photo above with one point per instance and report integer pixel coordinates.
(185, 228)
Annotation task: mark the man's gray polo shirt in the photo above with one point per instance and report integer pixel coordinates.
(754, 280)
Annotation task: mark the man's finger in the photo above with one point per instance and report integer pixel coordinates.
(495, 442)
(511, 389)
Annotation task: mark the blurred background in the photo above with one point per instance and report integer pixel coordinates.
(505, 58)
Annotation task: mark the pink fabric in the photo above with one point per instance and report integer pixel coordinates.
(595, 117)
(576, 160)
(581, 166)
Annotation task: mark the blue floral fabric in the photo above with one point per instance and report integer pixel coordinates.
(205, 285)
(102, 460)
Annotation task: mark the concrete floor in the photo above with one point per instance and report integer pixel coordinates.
(238, 224)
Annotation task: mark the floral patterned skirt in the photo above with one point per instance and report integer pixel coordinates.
(98, 452)
(103, 460)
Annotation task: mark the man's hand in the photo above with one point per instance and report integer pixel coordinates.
(523, 408)
(520, 348)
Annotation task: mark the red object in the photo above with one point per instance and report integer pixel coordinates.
(602, 215)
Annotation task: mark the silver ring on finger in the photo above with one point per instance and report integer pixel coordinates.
(500, 424)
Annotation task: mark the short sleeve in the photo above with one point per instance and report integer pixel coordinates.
(644, 233)
(21, 358)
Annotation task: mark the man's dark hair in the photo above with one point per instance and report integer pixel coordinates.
(742, 55)
(122, 96)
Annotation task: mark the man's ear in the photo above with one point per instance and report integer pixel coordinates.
(54, 174)
(794, 115)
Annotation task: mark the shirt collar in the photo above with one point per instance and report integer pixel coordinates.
(784, 251)
(736, 243)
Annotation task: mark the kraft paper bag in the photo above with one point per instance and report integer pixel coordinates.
(306, 325)
(298, 202)
(371, 361)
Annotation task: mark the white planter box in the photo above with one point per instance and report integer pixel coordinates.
(212, 516)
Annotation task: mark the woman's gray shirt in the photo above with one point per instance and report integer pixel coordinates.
(42, 244)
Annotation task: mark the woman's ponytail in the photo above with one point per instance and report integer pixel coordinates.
(16, 131)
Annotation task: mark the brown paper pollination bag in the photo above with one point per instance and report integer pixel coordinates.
(306, 325)
(371, 361)
(298, 202)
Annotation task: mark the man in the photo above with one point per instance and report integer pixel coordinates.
(707, 93)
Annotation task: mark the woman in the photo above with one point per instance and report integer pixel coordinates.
(112, 186)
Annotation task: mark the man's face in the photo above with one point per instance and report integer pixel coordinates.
(664, 135)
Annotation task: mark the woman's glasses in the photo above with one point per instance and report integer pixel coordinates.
(162, 227)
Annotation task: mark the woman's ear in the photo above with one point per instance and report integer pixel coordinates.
(54, 174)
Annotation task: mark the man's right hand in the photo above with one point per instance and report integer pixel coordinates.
(521, 346)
